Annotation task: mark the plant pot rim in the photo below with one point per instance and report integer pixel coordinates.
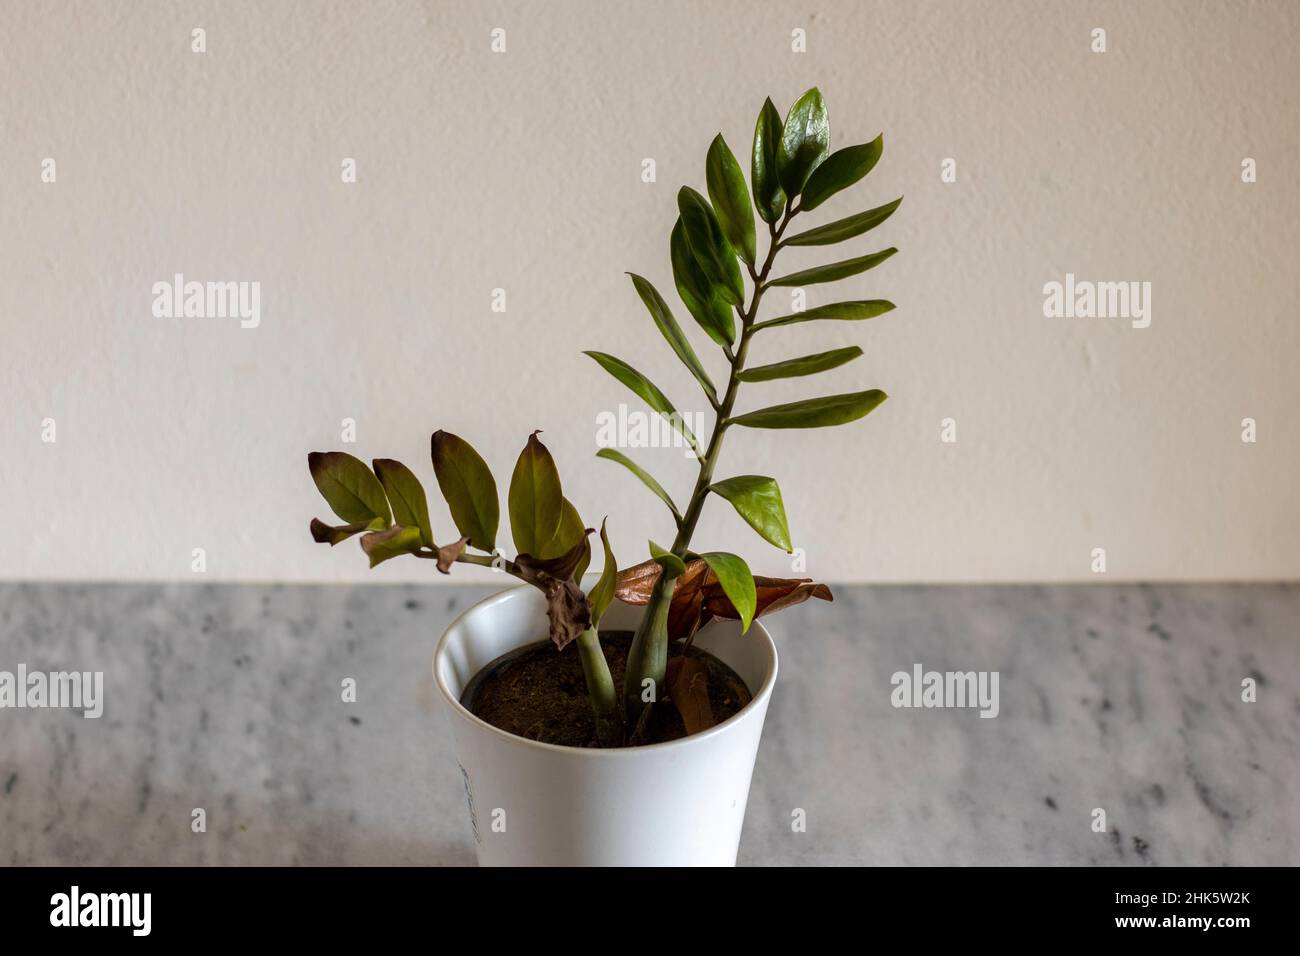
(756, 630)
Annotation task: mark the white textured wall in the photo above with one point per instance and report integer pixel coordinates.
(522, 170)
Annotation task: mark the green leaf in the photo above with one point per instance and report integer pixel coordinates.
(673, 566)
(708, 245)
(470, 490)
(814, 412)
(730, 197)
(846, 228)
(758, 500)
(406, 495)
(397, 540)
(805, 139)
(710, 311)
(535, 501)
(805, 365)
(570, 531)
(663, 318)
(647, 391)
(737, 583)
(646, 478)
(836, 270)
(602, 593)
(769, 197)
(844, 311)
(349, 487)
(840, 170)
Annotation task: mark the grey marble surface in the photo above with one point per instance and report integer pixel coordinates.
(227, 698)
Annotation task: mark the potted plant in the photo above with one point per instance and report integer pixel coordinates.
(635, 745)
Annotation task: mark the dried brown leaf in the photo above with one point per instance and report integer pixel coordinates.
(448, 553)
(697, 595)
(567, 608)
(688, 688)
(562, 566)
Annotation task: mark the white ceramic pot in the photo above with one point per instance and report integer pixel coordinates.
(680, 803)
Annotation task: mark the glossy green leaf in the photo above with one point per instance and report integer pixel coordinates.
(846, 228)
(647, 479)
(350, 488)
(673, 566)
(602, 593)
(667, 324)
(710, 311)
(769, 197)
(406, 495)
(570, 531)
(805, 140)
(710, 247)
(814, 412)
(535, 501)
(730, 198)
(468, 487)
(834, 271)
(842, 311)
(737, 583)
(757, 499)
(840, 170)
(805, 365)
(379, 546)
(646, 390)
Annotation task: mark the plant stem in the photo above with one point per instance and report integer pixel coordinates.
(648, 656)
(600, 683)
(600, 687)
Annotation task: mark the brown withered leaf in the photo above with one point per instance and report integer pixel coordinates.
(562, 566)
(685, 614)
(774, 594)
(688, 688)
(448, 553)
(566, 604)
(634, 584)
(567, 608)
(323, 533)
(698, 596)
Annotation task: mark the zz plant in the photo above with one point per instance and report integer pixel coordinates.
(792, 171)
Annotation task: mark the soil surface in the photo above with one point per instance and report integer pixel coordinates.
(540, 693)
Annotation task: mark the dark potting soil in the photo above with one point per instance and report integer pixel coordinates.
(540, 693)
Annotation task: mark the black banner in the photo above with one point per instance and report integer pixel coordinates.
(1221, 907)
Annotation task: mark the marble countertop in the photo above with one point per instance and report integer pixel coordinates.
(227, 698)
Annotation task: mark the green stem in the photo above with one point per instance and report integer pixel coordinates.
(648, 656)
(600, 687)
